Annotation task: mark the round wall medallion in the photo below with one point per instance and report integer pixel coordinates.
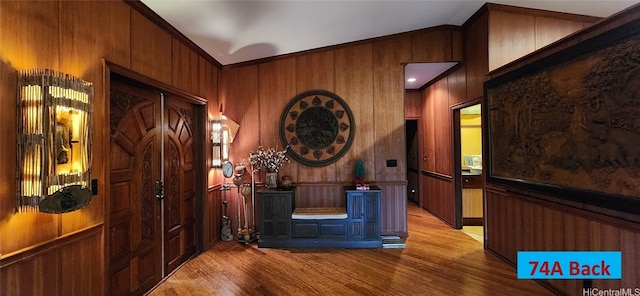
(318, 127)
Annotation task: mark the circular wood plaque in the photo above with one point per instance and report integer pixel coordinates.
(318, 127)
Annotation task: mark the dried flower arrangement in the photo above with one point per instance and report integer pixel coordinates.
(269, 159)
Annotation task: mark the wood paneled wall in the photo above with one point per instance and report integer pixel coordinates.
(531, 221)
(437, 196)
(368, 75)
(437, 145)
(517, 222)
(494, 36)
(515, 32)
(38, 271)
(412, 104)
(75, 37)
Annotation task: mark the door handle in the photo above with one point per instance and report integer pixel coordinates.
(159, 190)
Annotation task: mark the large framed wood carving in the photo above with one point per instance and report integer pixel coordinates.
(568, 125)
(318, 127)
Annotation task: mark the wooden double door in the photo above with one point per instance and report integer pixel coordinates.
(153, 224)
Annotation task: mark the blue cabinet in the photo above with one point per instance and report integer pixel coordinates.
(363, 208)
(275, 208)
(361, 228)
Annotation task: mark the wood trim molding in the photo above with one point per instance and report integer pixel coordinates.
(564, 206)
(444, 74)
(543, 13)
(472, 221)
(135, 78)
(340, 46)
(214, 187)
(48, 246)
(160, 22)
(437, 175)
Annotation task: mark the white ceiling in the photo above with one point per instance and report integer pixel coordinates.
(238, 31)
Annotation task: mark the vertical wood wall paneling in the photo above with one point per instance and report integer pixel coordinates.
(412, 104)
(209, 80)
(276, 87)
(354, 84)
(431, 46)
(39, 35)
(37, 275)
(516, 224)
(427, 162)
(457, 81)
(150, 49)
(437, 197)
(393, 202)
(476, 38)
(91, 32)
(239, 97)
(310, 195)
(32, 41)
(185, 67)
(29, 40)
(388, 99)
(8, 76)
(443, 131)
(511, 36)
(547, 227)
(549, 30)
(316, 71)
(81, 266)
(276, 82)
(457, 45)
(212, 215)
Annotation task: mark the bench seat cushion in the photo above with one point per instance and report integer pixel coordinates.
(319, 213)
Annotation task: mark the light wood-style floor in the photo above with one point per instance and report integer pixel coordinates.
(437, 260)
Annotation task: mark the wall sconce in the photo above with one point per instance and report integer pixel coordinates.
(217, 142)
(54, 141)
(223, 131)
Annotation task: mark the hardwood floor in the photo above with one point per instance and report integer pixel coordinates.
(437, 260)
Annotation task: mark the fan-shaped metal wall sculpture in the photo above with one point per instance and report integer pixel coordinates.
(318, 127)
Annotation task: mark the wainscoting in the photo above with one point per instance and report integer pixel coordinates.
(40, 269)
(519, 223)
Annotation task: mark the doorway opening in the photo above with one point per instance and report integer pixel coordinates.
(413, 166)
(469, 179)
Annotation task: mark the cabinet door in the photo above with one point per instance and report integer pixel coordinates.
(275, 215)
(372, 215)
(364, 214)
(355, 208)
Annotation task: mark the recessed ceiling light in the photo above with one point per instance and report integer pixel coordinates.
(411, 79)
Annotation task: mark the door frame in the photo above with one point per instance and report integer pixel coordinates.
(457, 159)
(135, 78)
(419, 143)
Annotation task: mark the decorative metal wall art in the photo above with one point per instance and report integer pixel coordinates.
(54, 142)
(568, 124)
(318, 127)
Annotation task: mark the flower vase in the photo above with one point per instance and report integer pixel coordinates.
(271, 180)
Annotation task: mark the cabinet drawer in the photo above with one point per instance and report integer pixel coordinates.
(472, 181)
(320, 228)
(305, 229)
